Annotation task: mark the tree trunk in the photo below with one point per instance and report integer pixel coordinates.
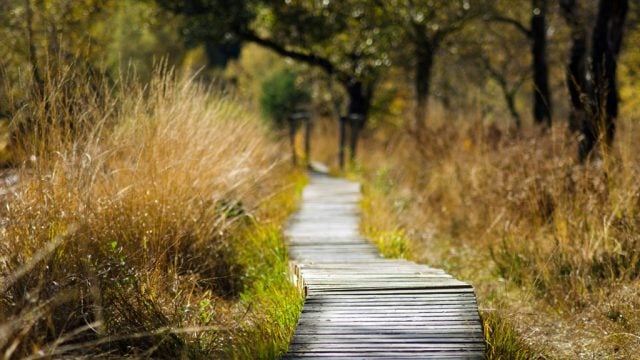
(576, 71)
(424, 55)
(577, 79)
(27, 125)
(607, 40)
(508, 92)
(292, 139)
(360, 95)
(308, 128)
(342, 140)
(37, 78)
(541, 92)
(510, 99)
(356, 122)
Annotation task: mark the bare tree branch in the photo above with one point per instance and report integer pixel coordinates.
(513, 22)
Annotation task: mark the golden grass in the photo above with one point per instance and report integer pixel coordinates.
(146, 223)
(551, 246)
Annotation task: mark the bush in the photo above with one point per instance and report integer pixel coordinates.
(282, 95)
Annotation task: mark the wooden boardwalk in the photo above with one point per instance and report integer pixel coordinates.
(360, 305)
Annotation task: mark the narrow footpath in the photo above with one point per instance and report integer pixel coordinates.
(361, 305)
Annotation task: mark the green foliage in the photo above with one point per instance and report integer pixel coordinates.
(139, 34)
(213, 19)
(346, 39)
(273, 302)
(250, 70)
(380, 223)
(97, 36)
(354, 35)
(282, 95)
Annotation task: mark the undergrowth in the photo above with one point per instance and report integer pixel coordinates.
(503, 342)
(550, 245)
(378, 222)
(146, 223)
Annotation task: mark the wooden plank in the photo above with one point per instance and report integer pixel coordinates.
(345, 335)
(328, 328)
(375, 286)
(408, 303)
(337, 297)
(377, 313)
(328, 297)
(383, 355)
(364, 272)
(380, 355)
(368, 289)
(389, 306)
(374, 277)
(396, 355)
(381, 347)
(382, 294)
(386, 292)
(415, 310)
(393, 325)
(329, 339)
(382, 340)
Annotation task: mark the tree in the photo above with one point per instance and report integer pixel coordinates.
(425, 25)
(33, 60)
(575, 15)
(541, 92)
(138, 34)
(283, 97)
(44, 39)
(342, 38)
(606, 44)
(508, 88)
(490, 57)
(536, 33)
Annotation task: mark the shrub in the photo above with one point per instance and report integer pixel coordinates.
(127, 233)
(282, 95)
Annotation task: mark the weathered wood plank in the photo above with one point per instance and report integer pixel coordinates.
(396, 355)
(340, 296)
(383, 355)
(431, 335)
(376, 346)
(386, 292)
(378, 313)
(387, 355)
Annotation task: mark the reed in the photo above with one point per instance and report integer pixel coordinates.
(146, 222)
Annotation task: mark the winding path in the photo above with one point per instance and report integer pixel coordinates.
(360, 305)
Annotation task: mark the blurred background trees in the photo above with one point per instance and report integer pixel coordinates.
(533, 26)
(387, 58)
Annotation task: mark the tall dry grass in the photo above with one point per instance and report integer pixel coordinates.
(143, 224)
(552, 246)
